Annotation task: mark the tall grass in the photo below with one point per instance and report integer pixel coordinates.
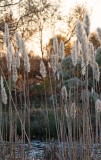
(78, 131)
(76, 110)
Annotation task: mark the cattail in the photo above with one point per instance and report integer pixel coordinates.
(42, 69)
(55, 45)
(87, 24)
(99, 34)
(64, 93)
(9, 57)
(6, 34)
(98, 105)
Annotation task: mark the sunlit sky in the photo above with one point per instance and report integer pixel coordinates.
(94, 7)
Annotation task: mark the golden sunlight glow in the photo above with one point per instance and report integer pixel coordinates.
(94, 7)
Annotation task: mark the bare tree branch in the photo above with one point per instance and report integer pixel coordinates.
(10, 4)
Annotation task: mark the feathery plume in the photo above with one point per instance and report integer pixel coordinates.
(98, 105)
(64, 93)
(96, 71)
(26, 62)
(66, 112)
(14, 69)
(4, 95)
(99, 34)
(61, 50)
(6, 34)
(42, 69)
(83, 67)
(58, 76)
(9, 57)
(17, 60)
(91, 54)
(59, 69)
(73, 110)
(77, 48)
(87, 24)
(82, 37)
(49, 65)
(3, 92)
(18, 40)
(54, 63)
(79, 31)
(74, 56)
(84, 46)
(2, 82)
(55, 45)
(21, 45)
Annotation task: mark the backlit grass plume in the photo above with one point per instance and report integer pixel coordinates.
(6, 35)
(18, 40)
(9, 57)
(26, 62)
(17, 60)
(55, 45)
(3, 92)
(64, 93)
(42, 69)
(61, 50)
(82, 37)
(54, 63)
(91, 54)
(14, 69)
(99, 34)
(74, 55)
(98, 105)
(73, 110)
(96, 71)
(87, 24)
(22, 48)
